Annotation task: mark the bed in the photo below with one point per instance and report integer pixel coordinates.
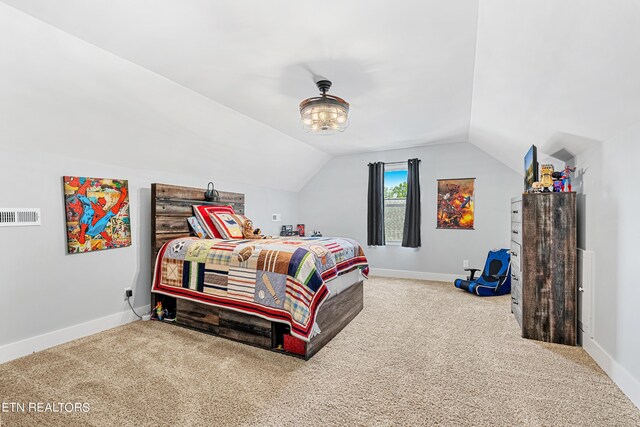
(285, 294)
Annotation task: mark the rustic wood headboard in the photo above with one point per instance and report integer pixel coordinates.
(171, 206)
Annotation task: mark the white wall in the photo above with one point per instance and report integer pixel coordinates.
(608, 226)
(43, 288)
(68, 108)
(335, 202)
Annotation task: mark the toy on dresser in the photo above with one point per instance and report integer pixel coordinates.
(566, 178)
(557, 181)
(553, 181)
(546, 179)
(536, 187)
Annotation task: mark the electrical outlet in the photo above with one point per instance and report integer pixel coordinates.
(276, 217)
(465, 263)
(128, 292)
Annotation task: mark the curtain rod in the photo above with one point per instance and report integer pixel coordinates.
(394, 163)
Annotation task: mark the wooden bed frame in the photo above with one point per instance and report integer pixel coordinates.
(170, 208)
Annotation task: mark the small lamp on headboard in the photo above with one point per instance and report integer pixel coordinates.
(211, 195)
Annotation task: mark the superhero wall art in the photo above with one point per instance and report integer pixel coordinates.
(97, 213)
(456, 204)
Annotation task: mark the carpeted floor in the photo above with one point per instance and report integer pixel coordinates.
(421, 353)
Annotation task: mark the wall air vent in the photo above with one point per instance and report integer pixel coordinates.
(14, 217)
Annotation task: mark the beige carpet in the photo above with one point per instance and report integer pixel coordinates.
(421, 353)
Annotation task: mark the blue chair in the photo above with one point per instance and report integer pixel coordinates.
(495, 278)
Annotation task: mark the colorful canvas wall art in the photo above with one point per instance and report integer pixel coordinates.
(456, 204)
(97, 212)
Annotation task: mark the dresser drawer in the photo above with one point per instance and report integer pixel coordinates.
(516, 292)
(516, 232)
(516, 211)
(516, 278)
(516, 295)
(515, 254)
(516, 309)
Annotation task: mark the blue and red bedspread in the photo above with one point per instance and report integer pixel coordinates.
(279, 279)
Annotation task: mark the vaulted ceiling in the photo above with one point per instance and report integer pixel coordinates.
(560, 74)
(405, 67)
(502, 74)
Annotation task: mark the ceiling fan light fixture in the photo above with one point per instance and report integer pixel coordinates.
(324, 114)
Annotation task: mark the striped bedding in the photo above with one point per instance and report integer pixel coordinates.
(279, 279)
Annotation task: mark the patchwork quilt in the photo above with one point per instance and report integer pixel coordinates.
(279, 279)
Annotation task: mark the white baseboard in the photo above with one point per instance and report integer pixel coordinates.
(418, 275)
(623, 378)
(51, 339)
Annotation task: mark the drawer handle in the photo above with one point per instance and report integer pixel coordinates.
(514, 254)
(515, 212)
(514, 231)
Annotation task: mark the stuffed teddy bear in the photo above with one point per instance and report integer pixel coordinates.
(249, 232)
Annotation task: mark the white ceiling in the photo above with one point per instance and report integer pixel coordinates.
(502, 74)
(62, 96)
(560, 74)
(405, 67)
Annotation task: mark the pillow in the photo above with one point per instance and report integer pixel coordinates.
(202, 213)
(229, 225)
(197, 228)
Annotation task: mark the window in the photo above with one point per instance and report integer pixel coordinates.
(395, 200)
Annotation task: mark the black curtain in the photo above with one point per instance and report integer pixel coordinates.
(411, 233)
(375, 205)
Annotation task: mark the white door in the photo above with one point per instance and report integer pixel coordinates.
(585, 292)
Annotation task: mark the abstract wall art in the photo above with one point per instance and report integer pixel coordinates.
(97, 212)
(456, 204)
